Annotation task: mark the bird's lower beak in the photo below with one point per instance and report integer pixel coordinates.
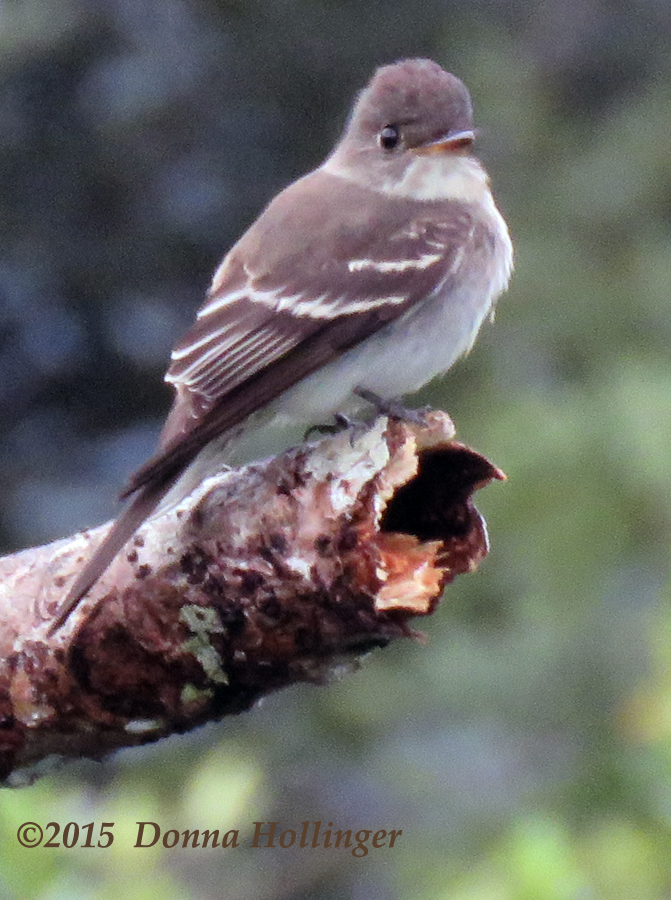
(449, 143)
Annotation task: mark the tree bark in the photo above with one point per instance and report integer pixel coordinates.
(266, 575)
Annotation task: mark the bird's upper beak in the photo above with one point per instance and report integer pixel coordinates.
(448, 143)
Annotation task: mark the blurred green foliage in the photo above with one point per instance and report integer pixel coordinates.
(525, 751)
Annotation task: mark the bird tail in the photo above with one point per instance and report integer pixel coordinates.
(139, 509)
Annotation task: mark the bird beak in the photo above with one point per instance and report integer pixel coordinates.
(448, 143)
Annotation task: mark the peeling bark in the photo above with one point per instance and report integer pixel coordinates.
(267, 575)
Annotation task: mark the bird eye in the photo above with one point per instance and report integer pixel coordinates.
(389, 137)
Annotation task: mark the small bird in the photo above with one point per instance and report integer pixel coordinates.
(372, 273)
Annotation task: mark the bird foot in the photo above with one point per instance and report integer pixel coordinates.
(394, 408)
(341, 422)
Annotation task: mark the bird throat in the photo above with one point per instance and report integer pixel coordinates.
(428, 177)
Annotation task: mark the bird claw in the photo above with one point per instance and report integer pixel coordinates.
(341, 422)
(394, 408)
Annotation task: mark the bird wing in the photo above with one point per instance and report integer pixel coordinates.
(291, 296)
(285, 303)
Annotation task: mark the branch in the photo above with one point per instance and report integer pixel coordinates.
(265, 576)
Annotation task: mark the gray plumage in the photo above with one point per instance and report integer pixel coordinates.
(376, 271)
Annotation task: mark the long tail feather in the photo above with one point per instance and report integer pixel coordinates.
(121, 531)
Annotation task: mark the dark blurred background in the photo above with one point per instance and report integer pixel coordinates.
(525, 750)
